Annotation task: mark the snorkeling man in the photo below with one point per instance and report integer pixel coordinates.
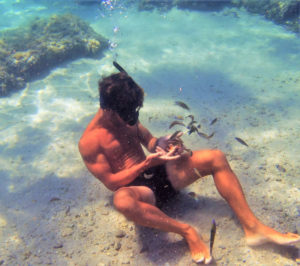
(111, 148)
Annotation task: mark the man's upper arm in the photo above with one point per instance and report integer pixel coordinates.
(95, 160)
(146, 138)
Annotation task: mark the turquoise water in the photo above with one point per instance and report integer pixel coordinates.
(243, 70)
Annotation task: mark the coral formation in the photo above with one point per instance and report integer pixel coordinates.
(283, 12)
(92, 45)
(44, 43)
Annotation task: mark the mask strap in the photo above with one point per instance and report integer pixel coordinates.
(102, 104)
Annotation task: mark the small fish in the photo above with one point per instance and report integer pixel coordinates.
(203, 135)
(54, 199)
(191, 117)
(241, 141)
(214, 121)
(182, 105)
(197, 173)
(176, 123)
(212, 235)
(191, 124)
(193, 129)
(179, 117)
(174, 134)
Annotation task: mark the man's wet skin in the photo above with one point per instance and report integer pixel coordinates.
(199, 251)
(263, 234)
(112, 152)
(260, 235)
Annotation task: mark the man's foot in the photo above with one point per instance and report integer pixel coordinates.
(199, 251)
(262, 234)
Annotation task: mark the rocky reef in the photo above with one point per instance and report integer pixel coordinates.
(206, 5)
(283, 12)
(33, 49)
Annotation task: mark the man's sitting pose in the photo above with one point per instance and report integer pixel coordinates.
(111, 148)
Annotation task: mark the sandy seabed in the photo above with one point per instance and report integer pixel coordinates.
(243, 73)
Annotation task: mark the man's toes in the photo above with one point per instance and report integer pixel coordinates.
(296, 236)
(208, 260)
(199, 259)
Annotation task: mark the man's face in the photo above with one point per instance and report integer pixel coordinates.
(130, 116)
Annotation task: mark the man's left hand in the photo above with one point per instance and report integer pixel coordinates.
(165, 141)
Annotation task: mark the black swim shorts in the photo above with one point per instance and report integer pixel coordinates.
(156, 179)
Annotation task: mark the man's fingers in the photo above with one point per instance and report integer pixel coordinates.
(156, 155)
(170, 158)
(163, 155)
(172, 151)
(159, 149)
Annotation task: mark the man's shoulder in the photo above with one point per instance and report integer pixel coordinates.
(90, 141)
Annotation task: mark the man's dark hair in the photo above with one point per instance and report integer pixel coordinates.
(119, 92)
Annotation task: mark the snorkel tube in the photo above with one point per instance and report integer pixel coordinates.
(117, 66)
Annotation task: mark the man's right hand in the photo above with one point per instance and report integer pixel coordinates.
(161, 156)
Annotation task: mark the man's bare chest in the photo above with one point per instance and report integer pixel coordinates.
(120, 143)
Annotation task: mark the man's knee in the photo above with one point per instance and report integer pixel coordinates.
(124, 200)
(219, 159)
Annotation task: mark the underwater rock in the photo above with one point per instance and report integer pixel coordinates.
(204, 5)
(33, 49)
(283, 12)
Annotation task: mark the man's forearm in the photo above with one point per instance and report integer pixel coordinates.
(152, 144)
(126, 176)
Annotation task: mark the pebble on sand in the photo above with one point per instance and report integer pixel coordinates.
(120, 233)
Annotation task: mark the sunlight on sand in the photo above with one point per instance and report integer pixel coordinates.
(3, 222)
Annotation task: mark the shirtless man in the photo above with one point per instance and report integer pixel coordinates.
(111, 148)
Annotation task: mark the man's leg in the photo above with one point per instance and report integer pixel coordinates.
(137, 205)
(214, 162)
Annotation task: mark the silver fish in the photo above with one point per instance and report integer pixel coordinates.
(191, 117)
(191, 124)
(203, 135)
(182, 105)
(192, 129)
(174, 135)
(241, 141)
(212, 235)
(213, 121)
(176, 122)
(197, 172)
